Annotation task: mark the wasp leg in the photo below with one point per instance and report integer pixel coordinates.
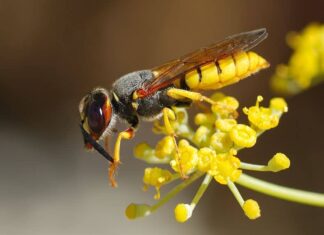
(127, 134)
(194, 96)
(168, 115)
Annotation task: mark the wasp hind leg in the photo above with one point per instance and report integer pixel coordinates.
(177, 94)
(168, 114)
(128, 134)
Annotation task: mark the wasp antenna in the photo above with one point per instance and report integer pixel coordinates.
(96, 146)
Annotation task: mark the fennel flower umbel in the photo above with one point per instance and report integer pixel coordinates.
(212, 150)
(305, 67)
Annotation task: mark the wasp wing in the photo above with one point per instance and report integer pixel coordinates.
(167, 73)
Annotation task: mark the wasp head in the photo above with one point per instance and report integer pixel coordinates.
(96, 115)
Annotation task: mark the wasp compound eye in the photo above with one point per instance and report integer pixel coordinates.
(98, 113)
(96, 119)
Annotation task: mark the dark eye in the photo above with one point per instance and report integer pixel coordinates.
(96, 118)
(97, 112)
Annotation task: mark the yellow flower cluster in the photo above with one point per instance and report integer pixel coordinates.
(187, 158)
(211, 150)
(306, 65)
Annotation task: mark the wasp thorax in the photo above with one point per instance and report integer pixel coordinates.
(96, 111)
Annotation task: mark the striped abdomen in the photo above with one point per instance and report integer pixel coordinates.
(225, 71)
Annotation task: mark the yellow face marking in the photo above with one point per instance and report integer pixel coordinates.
(227, 66)
(209, 75)
(192, 79)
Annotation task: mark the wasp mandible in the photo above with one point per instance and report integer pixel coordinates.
(147, 94)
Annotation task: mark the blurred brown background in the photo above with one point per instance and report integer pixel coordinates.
(52, 52)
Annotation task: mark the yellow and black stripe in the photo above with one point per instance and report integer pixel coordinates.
(226, 71)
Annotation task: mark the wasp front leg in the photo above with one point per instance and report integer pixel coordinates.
(126, 135)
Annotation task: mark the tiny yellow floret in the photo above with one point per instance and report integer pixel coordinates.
(225, 107)
(188, 157)
(224, 167)
(202, 136)
(221, 142)
(141, 149)
(251, 209)
(134, 211)
(279, 162)
(217, 96)
(182, 212)
(262, 118)
(206, 119)
(243, 136)
(164, 147)
(156, 177)
(205, 157)
(279, 104)
(225, 125)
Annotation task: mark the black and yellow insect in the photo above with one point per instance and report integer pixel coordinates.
(146, 94)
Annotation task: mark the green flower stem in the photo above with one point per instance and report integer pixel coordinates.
(235, 192)
(201, 190)
(176, 190)
(174, 177)
(253, 167)
(289, 194)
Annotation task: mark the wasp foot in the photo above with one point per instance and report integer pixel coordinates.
(112, 173)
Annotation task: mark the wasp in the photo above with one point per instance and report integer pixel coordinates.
(150, 94)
